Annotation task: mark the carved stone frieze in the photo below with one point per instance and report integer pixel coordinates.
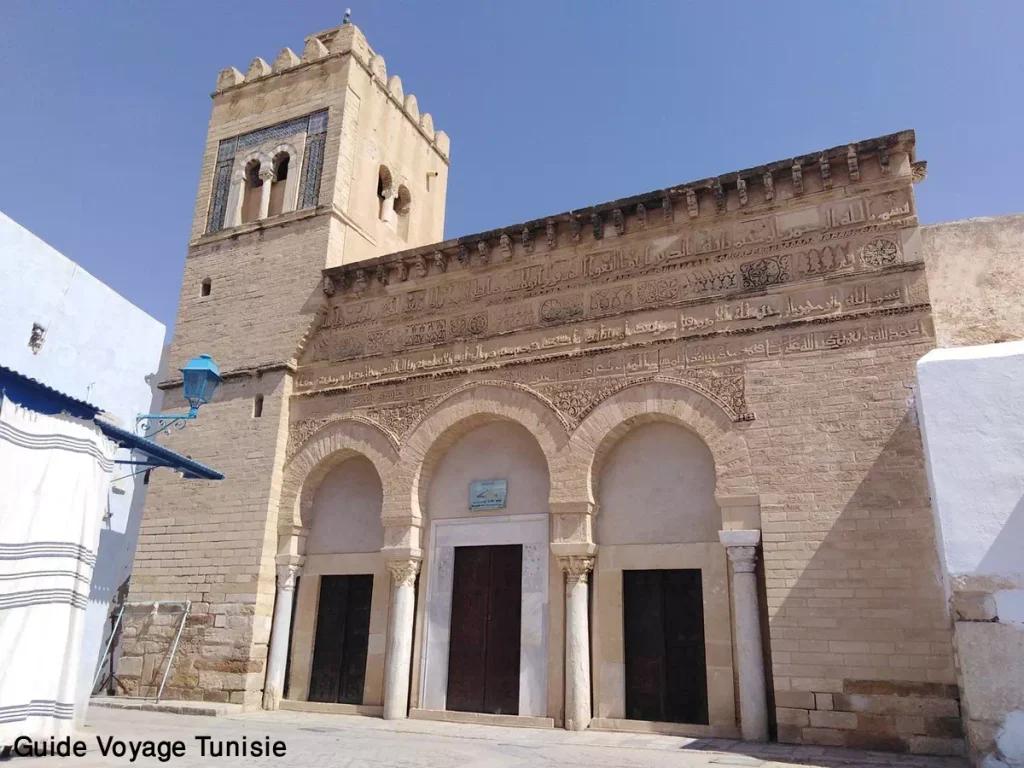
(826, 172)
(852, 164)
(641, 216)
(666, 207)
(574, 229)
(440, 261)
(552, 235)
(769, 186)
(506, 245)
(741, 190)
(798, 179)
(597, 225)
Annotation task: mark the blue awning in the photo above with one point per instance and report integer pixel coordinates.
(36, 396)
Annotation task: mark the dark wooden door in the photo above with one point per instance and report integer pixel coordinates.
(666, 676)
(483, 655)
(342, 634)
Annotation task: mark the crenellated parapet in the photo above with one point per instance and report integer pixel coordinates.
(751, 194)
(346, 40)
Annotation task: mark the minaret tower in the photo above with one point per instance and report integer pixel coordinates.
(313, 161)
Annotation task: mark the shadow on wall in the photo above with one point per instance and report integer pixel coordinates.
(861, 644)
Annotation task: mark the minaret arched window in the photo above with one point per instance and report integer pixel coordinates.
(277, 185)
(252, 192)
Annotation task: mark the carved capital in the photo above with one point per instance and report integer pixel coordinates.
(403, 572)
(741, 545)
(576, 568)
(743, 559)
(287, 576)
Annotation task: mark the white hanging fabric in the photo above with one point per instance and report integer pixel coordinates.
(55, 474)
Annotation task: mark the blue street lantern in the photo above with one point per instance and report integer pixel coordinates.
(199, 380)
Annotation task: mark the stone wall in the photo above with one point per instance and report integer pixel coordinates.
(975, 268)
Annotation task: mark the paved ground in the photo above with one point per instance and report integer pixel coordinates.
(358, 742)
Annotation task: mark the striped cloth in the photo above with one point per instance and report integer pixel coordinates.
(54, 479)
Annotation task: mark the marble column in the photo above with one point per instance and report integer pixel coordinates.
(577, 642)
(281, 630)
(267, 175)
(399, 659)
(741, 545)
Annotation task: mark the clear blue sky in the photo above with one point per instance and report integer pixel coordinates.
(550, 104)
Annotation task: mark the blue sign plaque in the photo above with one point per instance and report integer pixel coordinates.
(488, 494)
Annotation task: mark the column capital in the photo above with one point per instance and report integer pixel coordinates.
(576, 567)
(741, 546)
(743, 559)
(403, 572)
(287, 575)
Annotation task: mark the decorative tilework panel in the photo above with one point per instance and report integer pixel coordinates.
(313, 170)
(219, 202)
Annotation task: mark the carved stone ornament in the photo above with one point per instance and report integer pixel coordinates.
(574, 229)
(419, 265)
(287, 576)
(328, 285)
(552, 236)
(883, 160)
(826, 171)
(666, 207)
(692, 207)
(852, 164)
(576, 568)
(641, 216)
(506, 244)
(919, 171)
(798, 179)
(483, 253)
(619, 221)
(880, 253)
(359, 285)
(744, 559)
(463, 255)
(527, 240)
(403, 572)
(769, 186)
(741, 190)
(597, 225)
(382, 274)
(403, 271)
(719, 192)
(440, 261)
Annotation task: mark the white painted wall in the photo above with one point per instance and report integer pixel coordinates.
(657, 486)
(971, 408)
(100, 348)
(497, 451)
(346, 510)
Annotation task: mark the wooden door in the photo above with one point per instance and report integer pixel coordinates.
(483, 655)
(666, 676)
(342, 635)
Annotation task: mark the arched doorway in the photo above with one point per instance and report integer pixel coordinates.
(484, 641)
(342, 602)
(662, 638)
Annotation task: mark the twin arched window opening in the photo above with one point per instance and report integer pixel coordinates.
(394, 205)
(252, 187)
